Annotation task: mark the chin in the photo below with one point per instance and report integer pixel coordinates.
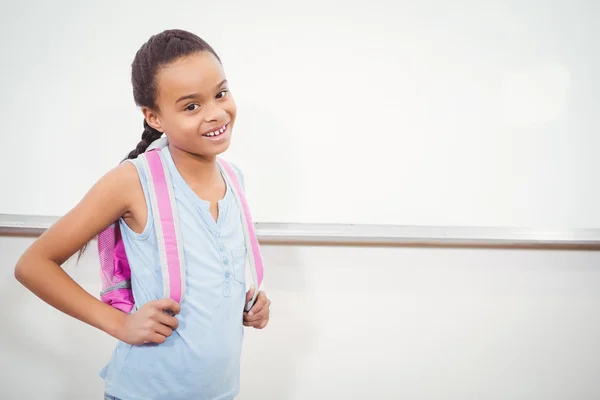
(215, 150)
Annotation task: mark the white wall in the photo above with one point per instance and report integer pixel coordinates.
(455, 113)
(359, 323)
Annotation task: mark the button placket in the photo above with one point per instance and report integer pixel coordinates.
(226, 262)
(227, 287)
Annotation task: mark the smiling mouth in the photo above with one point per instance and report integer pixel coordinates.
(217, 132)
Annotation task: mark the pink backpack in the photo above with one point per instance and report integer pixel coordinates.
(114, 267)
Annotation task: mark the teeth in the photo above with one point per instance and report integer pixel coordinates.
(217, 132)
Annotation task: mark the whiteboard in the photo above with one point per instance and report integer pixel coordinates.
(433, 113)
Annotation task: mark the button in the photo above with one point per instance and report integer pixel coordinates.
(228, 274)
(222, 248)
(226, 261)
(217, 235)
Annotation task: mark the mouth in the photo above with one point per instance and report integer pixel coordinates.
(217, 132)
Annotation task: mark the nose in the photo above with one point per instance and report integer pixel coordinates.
(214, 113)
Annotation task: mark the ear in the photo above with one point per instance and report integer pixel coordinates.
(153, 119)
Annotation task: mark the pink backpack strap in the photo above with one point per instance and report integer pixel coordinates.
(166, 224)
(254, 255)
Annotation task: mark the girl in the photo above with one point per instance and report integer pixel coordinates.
(180, 85)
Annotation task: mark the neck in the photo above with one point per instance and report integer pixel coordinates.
(195, 168)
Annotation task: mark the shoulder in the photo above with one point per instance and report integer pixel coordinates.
(118, 178)
(126, 174)
(123, 183)
(238, 172)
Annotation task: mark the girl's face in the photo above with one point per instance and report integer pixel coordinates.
(195, 108)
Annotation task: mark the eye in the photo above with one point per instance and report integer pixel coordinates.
(222, 94)
(192, 107)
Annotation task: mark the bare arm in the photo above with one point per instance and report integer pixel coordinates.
(39, 268)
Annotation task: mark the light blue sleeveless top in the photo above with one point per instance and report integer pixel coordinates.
(201, 359)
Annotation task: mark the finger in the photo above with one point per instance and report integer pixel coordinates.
(261, 301)
(248, 321)
(260, 324)
(246, 317)
(167, 320)
(257, 308)
(157, 338)
(250, 293)
(251, 324)
(263, 314)
(168, 304)
(163, 330)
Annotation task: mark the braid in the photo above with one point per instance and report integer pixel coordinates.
(148, 136)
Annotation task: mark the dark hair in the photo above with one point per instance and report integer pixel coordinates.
(160, 50)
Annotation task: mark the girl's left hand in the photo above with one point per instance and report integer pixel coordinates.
(258, 316)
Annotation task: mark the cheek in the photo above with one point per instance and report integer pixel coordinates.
(181, 125)
(231, 108)
(190, 122)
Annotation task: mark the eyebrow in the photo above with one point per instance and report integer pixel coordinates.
(195, 95)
